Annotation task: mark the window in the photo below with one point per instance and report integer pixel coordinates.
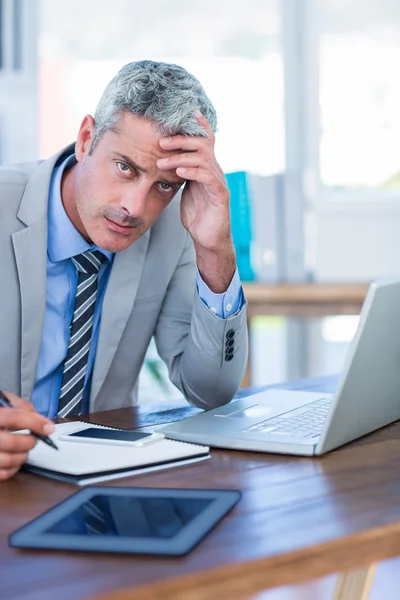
(360, 94)
(18, 81)
(234, 48)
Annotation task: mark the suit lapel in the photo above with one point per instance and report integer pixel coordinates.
(118, 302)
(30, 248)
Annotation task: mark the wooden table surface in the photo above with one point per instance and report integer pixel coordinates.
(299, 519)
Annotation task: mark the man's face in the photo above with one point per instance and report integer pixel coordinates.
(118, 192)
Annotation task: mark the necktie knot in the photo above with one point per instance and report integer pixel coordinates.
(88, 262)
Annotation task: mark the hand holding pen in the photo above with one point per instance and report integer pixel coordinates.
(16, 413)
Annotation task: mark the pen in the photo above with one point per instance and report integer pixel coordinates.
(7, 404)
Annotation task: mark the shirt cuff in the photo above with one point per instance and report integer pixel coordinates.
(223, 305)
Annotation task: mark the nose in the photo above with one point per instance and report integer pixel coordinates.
(134, 201)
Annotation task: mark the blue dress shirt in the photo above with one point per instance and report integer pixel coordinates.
(64, 241)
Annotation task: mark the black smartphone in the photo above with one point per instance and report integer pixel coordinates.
(112, 436)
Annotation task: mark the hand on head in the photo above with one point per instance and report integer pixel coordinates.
(205, 210)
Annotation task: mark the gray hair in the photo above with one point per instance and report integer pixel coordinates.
(164, 93)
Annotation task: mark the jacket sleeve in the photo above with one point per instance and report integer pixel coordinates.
(205, 355)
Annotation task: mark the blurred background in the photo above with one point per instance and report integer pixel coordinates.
(307, 93)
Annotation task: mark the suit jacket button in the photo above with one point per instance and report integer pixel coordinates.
(230, 334)
(228, 357)
(230, 343)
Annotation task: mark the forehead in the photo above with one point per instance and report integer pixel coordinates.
(138, 136)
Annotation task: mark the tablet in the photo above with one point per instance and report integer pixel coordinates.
(129, 520)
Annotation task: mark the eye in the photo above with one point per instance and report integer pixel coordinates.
(123, 167)
(165, 187)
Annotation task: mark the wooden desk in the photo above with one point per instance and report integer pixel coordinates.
(299, 519)
(306, 300)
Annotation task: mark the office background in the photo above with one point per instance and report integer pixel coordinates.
(308, 98)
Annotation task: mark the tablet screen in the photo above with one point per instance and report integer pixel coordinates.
(147, 516)
(129, 520)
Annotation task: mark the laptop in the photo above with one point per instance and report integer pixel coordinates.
(310, 423)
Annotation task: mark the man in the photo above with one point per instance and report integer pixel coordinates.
(99, 253)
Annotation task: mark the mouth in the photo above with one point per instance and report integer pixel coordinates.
(124, 229)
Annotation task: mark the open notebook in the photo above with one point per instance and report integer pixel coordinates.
(82, 463)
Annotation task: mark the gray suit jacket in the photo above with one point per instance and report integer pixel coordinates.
(151, 291)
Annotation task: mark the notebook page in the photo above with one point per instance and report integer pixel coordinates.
(76, 458)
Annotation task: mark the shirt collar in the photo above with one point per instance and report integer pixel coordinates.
(64, 240)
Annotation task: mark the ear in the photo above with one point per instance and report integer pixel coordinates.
(85, 138)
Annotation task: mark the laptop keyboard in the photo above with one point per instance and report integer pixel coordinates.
(305, 423)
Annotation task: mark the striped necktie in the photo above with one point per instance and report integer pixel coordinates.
(75, 364)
